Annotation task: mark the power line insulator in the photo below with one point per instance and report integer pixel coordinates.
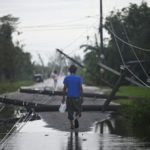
(102, 56)
(102, 70)
(148, 80)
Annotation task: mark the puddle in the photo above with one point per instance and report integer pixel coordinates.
(50, 131)
(38, 135)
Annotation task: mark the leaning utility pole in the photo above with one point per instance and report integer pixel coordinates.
(42, 63)
(101, 53)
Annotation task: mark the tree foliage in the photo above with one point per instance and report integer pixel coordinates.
(130, 24)
(92, 75)
(14, 63)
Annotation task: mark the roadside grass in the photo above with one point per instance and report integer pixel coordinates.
(139, 100)
(13, 86)
(134, 93)
(137, 108)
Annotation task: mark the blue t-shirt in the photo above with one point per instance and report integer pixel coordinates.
(73, 84)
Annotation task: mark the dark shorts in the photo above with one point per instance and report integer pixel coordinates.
(73, 105)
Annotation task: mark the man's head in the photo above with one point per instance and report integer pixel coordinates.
(72, 69)
(55, 71)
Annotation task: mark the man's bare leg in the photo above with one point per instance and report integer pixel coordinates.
(71, 124)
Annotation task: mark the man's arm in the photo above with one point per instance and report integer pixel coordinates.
(64, 93)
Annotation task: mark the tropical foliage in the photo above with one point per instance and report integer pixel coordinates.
(15, 64)
(129, 25)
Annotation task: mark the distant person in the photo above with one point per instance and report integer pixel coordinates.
(54, 76)
(73, 87)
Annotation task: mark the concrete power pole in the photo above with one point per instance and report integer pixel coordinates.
(101, 51)
(101, 31)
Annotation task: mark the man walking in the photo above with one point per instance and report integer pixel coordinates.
(73, 87)
(54, 75)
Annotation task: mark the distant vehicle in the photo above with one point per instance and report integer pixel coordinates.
(38, 77)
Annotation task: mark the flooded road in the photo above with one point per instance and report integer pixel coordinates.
(44, 135)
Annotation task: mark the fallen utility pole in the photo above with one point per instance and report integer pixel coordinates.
(119, 74)
(73, 60)
(118, 83)
(114, 90)
(41, 106)
(82, 66)
(60, 93)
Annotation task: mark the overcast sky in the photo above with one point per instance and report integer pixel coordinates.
(64, 24)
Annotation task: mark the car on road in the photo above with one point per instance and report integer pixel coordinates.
(38, 77)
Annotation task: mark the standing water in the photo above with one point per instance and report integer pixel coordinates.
(51, 132)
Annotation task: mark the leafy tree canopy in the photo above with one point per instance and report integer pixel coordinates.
(128, 25)
(14, 63)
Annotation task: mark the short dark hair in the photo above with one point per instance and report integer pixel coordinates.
(72, 69)
(55, 71)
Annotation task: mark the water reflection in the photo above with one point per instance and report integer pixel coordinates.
(74, 141)
(9, 116)
(6, 120)
(122, 127)
(105, 127)
(112, 137)
(110, 134)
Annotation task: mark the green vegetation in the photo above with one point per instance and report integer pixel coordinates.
(131, 24)
(134, 91)
(15, 64)
(136, 111)
(13, 86)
